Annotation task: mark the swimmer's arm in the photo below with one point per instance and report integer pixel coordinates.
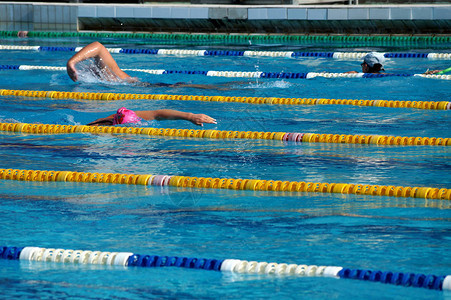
(430, 72)
(87, 52)
(102, 57)
(170, 114)
(102, 121)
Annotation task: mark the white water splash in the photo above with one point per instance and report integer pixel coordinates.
(91, 73)
(281, 84)
(69, 119)
(8, 120)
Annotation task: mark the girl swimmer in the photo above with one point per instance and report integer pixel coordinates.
(124, 116)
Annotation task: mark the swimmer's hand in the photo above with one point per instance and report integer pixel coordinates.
(71, 71)
(200, 119)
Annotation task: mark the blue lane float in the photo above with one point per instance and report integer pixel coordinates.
(128, 259)
(9, 67)
(243, 74)
(41, 48)
(241, 53)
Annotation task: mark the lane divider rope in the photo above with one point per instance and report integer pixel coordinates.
(245, 38)
(438, 105)
(243, 74)
(129, 259)
(235, 53)
(227, 183)
(228, 134)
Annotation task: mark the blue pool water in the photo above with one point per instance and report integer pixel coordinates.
(356, 231)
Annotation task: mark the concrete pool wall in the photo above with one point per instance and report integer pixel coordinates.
(206, 18)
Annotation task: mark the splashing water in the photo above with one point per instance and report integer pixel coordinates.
(8, 120)
(68, 119)
(58, 79)
(282, 84)
(92, 73)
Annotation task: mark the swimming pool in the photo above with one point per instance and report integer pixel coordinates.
(357, 231)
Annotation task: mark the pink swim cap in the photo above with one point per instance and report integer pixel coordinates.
(124, 116)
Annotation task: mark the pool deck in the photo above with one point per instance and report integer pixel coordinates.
(434, 19)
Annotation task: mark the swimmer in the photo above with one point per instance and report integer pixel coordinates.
(437, 72)
(102, 58)
(124, 116)
(373, 62)
(22, 34)
(112, 72)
